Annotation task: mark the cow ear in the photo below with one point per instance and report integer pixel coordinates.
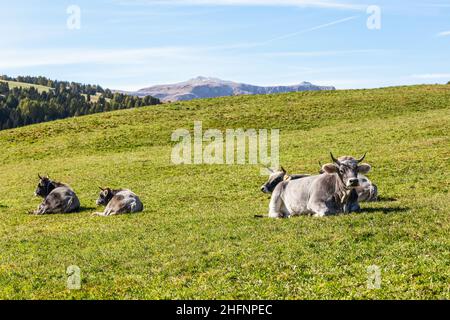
(329, 168)
(364, 168)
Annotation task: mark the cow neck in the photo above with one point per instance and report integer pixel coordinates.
(52, 185)
(113, 194)
(342, 192)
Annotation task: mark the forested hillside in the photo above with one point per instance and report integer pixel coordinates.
(28, 100)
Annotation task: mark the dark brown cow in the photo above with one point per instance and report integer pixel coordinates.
(58, 197)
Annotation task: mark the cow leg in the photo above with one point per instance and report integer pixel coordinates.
(352, 207)
(276, 204)
(46, 210)
(49, 205)
(352, 204)
(320, 209)
(42, 208)
(108, 212)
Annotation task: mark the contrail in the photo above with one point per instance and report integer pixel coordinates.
(329, 24)
(289, 35)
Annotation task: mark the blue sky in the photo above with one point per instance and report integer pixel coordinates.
(137, 43)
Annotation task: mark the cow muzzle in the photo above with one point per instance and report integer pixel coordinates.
(264, 189)
(353, 182)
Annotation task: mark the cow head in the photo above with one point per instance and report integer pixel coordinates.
(367, 191)
(104, 197)
(347, 169)
(44, 187)
(275, 177)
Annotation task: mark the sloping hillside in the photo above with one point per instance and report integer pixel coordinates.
(197, 237)
(17, 84)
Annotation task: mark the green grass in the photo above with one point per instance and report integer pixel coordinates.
(16, 84)
(40, 89)
(197, 237)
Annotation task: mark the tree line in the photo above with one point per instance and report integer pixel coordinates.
(20, 106)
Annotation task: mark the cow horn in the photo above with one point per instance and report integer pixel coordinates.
(362, 158)
(321, 170)
(39, 176)
(269, 169)
(334, 159)
(101, 188)
(282, 169)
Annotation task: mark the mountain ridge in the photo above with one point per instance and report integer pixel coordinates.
(209, 87)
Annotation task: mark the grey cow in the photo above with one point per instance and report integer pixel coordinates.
(118, 201)
(367, 191)
(320, 195)
(58, 197)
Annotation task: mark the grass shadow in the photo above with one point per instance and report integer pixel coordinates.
(385, 210)
(386, 199)
(86, 209)
(81, 210)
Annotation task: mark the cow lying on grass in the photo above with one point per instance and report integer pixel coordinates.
(58, 197)
(277, 176)
(320, 195)
(118, 202)
(367, 191)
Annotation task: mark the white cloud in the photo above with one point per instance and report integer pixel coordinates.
(320, 53)
(432, 76)
(443, 34)
(134, 58)
(48, 57)
(330, 4)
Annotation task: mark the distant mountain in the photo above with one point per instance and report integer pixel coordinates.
(204, 87)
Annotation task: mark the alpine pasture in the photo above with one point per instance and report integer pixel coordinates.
(197, 237)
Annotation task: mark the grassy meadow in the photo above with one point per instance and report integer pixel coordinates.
(40, 89)
(198, 238)
(16, 84)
